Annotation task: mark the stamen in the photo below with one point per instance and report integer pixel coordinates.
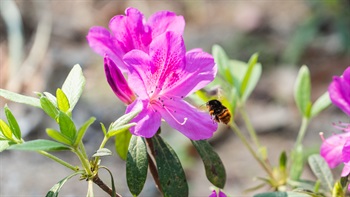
(322, 136)
(181, 123)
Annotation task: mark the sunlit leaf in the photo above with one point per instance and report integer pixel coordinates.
(18, 98)
(4, 144)
(38, 145)
(247, 77)
(49, 107)
(122, 140)
(62, 100)
(136, 165)
(214, 168)
(5, 129)
(67, 126)
(51, 98)
(58, 136)
(16, 131)
(82, 130)
(302, 91)
(74, 85)
(102, 152)
(171, 174)
(320, 104)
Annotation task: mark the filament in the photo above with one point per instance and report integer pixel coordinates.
(181, 123)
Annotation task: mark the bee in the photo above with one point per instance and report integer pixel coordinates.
(220, 112)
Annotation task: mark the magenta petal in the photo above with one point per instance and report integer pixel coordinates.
(222, 194)
(331, 149)
(163, 21)
(148, 121)
(185, 118)
(139, 78)
(200, 70)
(346, 151)
(346, 169)
(339, 91)
(103, 43)
(117, 82)
(213, 194)
(130, 30)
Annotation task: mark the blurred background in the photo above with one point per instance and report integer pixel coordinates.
(40, 41)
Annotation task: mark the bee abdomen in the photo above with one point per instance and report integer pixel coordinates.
(225, 116)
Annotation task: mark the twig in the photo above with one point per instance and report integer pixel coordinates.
(103, 186)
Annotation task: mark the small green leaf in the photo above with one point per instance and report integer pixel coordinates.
(302, 91)
(338, 190)
(38, 145)
(251, 65)
(103, 128)
(112, 181)
(297, 163)
(136, 165)
(4, 144)
(222, 61)
(102, 152)
(57, 187)
(49, 107)
(83, 129)
(253, 81)
(120, 129)
(214, 168)
(320, 104)
(13, 123)
(283, 161)
(62, 100)
(58, 136)
(18, 98)
(51, 98)
(67, 126)
(172, 177)
(73, 85)
(125, 119)
(122, 141)
(322, 171)
(5, 129)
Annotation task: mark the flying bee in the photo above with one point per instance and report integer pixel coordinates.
(220, 112)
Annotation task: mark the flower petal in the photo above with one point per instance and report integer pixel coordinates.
(346, 169)
(339, 91)
(130, 30)
(331, 149)
(200, 70)
(148, 121)
(102, 42)
(187, 119)
(117, 82)
(163, 21)
(346, 151)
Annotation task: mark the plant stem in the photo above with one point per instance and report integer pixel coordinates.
(103, 186)
(60, 161)
(302, 131)
(246, 143)
(152, 165)
(249, 126)
(84, 161)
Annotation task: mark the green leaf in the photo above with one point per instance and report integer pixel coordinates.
(4, 144)
(251, 65)
(171, 174)
(38, 145)
(58, 136)
(338, 190)
(297, 164)
(62, 100)
(103, 128)
(120, 129)
(5, 130)
(214, 168)
(122, 141)
(272, 194)
(320, 104)
(112, 181)
(82, 130)
(18, 98)
(222, 62)
(302, 91)
(73, 85)
(102, 152)
(125, 119)
(283, 162)
(49, 107)
(322, 171)
(253, 81)
(57, 187)
(67, 126)
(16, 131)
(51, 98)
(136, 165)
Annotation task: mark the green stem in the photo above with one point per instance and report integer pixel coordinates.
(249, 126)
(58, 160)
(246, 143)
(302, 131)
(103, 143)
(84, 161)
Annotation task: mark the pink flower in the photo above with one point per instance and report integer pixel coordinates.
(339, 91)
(215, 194)
(132, 32)
(161, 79)
(336, 149)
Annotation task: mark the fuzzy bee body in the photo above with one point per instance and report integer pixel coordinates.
(218, 111)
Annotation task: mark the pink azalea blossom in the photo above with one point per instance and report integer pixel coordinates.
(130, 32)
(161, 79)
(339, 91)
(215, 194)
(336, 149)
